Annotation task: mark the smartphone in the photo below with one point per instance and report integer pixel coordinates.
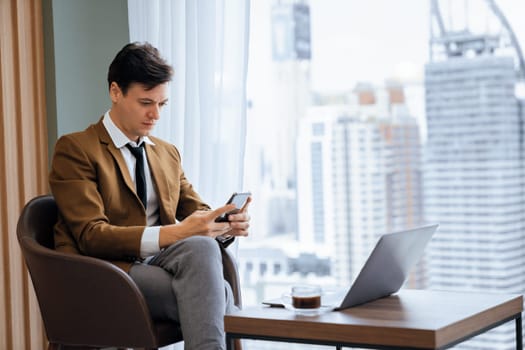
(239, 199)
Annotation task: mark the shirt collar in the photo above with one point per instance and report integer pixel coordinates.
(117, 136)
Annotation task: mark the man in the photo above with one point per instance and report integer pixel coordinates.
(120, 191)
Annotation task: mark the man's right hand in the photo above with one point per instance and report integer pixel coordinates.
(199, 223)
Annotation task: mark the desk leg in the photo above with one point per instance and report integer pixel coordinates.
(519, 334)
(230, 342)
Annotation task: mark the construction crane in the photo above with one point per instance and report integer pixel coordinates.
(457, 43)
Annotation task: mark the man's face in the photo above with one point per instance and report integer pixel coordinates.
(136, 112)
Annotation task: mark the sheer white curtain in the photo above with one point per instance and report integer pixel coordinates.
(206, 41)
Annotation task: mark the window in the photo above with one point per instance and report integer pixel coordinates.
(358, 126)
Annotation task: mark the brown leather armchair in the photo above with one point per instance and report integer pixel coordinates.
(87, 302)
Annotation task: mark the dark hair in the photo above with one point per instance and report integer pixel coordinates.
(139, 63)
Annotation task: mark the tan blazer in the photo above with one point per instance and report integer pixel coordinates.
(100, 214)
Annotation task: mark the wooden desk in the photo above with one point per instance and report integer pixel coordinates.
(411, 319)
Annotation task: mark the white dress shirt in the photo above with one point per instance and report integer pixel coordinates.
(149, 244)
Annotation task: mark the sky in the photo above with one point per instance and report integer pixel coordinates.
(364, 40)
(373, 40)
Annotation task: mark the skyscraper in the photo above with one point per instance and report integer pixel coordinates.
(291, 72)
(277, 113)
(360, 176)
(474, 175)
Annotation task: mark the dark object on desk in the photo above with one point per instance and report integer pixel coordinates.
(86, 301)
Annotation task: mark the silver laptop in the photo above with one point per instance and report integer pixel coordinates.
(385, 270)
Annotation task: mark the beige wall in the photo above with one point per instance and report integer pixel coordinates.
(81, 38)
(23, 162)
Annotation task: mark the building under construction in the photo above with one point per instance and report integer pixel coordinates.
(474, 169)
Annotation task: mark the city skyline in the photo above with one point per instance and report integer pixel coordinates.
(353, 42)
(352, 180)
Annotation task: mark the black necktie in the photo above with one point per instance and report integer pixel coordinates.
(140, 177)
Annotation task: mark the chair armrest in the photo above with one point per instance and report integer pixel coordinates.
(80, 296)
(231, 274)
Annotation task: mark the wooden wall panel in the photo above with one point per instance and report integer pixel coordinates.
(23, 163)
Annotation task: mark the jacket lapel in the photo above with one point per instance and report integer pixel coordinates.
(116, 154)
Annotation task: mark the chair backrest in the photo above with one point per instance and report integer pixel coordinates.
(38, 218)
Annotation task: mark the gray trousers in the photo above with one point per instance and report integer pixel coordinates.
(184, 283)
